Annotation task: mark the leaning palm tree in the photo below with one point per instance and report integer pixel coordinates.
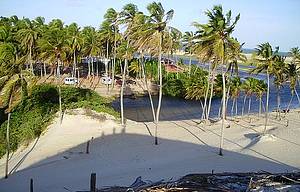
(14, 85)
(259, 91)
(265, 59)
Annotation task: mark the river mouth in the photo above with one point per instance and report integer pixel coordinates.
(173, 109)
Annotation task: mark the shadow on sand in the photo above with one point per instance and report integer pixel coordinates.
(119, 158)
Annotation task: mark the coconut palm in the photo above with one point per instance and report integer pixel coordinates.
(91, 44)
(265, 59)
(295, 54)
(249, 86)
(28, 37)
(259, 91)
(188, 42)
(215, 40)
(53, 49)
(235, 84)
(292, 72)
(74, 41)
(279, 79)
(126, 17)
(156, 27)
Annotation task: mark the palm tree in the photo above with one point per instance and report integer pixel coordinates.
(28, 37)
(126, 17)
(215, 40)
(249, 87)
(292, 71)
(265, 63)
(14, 87)
(261, 88)
(91, 44)
(279, 79)
(157, 25)
(295, 54)
(74, 41)
(235, 84)
(188, 41)
(53, 49)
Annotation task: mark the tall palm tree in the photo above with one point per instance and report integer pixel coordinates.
(91, 44)
(74, 41)
(28, 37)
(156, 27)
(265, 59)
(188, 41)
(53, 49)
(126, 17)
(215, 40)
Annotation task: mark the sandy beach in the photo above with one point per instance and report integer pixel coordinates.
(57, 161)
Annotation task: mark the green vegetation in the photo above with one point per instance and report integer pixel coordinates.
(33, 114)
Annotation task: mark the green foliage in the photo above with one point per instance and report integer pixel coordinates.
(33, 115)
(184, 85)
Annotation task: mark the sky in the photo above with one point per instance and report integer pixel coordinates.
(274, 21)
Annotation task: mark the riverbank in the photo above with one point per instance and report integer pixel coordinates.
(58, 161)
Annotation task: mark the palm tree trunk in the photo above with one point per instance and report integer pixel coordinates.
(223, 113)
(89, 67)
(30, 60)
(114, 61)
(210, 96)
(232, 107)
(92, 65)
(59, 92)
(244, 103)
(122, 93)
(7, 146)
(267, 103)
(160, 88)
(260, 103)
(147, 87)
(74, 64)
(45, 71)
(204, 113)
(190, 64)
(236, 107)
(289, 105)
(249, 105)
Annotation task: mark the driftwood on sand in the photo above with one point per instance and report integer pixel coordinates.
(260, 181)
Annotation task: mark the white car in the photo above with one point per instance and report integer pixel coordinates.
(106, 80)
(71, 81)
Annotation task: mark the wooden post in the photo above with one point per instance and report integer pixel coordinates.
(7, 147)
(88, 147)
(31, 185)
(93, 183)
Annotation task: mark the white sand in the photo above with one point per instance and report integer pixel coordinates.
(57, 161)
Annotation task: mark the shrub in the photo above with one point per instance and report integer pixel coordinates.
(33, 115)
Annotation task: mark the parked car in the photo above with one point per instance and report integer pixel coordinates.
(106, 80)
(71, 81)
